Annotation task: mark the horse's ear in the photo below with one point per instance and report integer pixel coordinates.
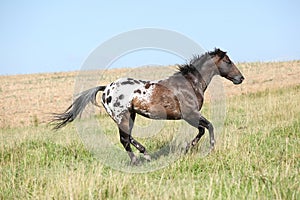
(220, 53)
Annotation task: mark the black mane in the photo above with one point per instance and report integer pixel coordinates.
(217, 52)
(198, 60)
(185, 69)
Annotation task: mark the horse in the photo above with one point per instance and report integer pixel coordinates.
(179, 96)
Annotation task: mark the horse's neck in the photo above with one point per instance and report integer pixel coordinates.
(206, 75)
(206, 70)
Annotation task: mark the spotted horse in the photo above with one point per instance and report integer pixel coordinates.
(179, 96)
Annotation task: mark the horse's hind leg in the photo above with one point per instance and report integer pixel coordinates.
(135, 143)
(125, 140)
(141, 148)
(125, 137)
(125, 128)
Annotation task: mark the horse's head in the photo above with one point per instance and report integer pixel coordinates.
(226, 67)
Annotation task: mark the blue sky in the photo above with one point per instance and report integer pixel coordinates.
(37, 36)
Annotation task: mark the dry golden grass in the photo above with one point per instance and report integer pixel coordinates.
(29, 99)
(256, 155)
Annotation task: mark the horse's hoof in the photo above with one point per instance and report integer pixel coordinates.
(212, 148)
(187, 148)
(134, 161)
(147, 157)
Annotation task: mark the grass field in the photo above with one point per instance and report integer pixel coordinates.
(257, 155)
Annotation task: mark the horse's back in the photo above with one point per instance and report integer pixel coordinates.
(170, 98)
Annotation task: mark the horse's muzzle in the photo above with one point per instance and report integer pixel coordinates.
(238, 79)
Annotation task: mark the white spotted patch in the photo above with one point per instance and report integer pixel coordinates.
(144, 93)
(117, 96)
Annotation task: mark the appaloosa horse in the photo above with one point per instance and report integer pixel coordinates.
(179, 96)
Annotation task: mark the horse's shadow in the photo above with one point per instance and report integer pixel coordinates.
(173, 151)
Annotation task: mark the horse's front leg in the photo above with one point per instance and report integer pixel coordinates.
(205, 123)
(195, 140)
(201, 122)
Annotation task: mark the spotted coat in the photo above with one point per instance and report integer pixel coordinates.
(148, 98)
(179, 96)
(117, 96)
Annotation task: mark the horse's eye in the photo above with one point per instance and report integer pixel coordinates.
(227, 61)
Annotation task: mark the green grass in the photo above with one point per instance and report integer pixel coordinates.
(257, 156)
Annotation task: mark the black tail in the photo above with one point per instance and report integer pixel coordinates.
(60, 120)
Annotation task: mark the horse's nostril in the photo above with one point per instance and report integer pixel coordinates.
(242, 78)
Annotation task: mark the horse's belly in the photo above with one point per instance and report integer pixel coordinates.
(159, 112)
(156, 102)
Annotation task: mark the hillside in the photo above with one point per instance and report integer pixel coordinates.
(29, 99)
(256, 154)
